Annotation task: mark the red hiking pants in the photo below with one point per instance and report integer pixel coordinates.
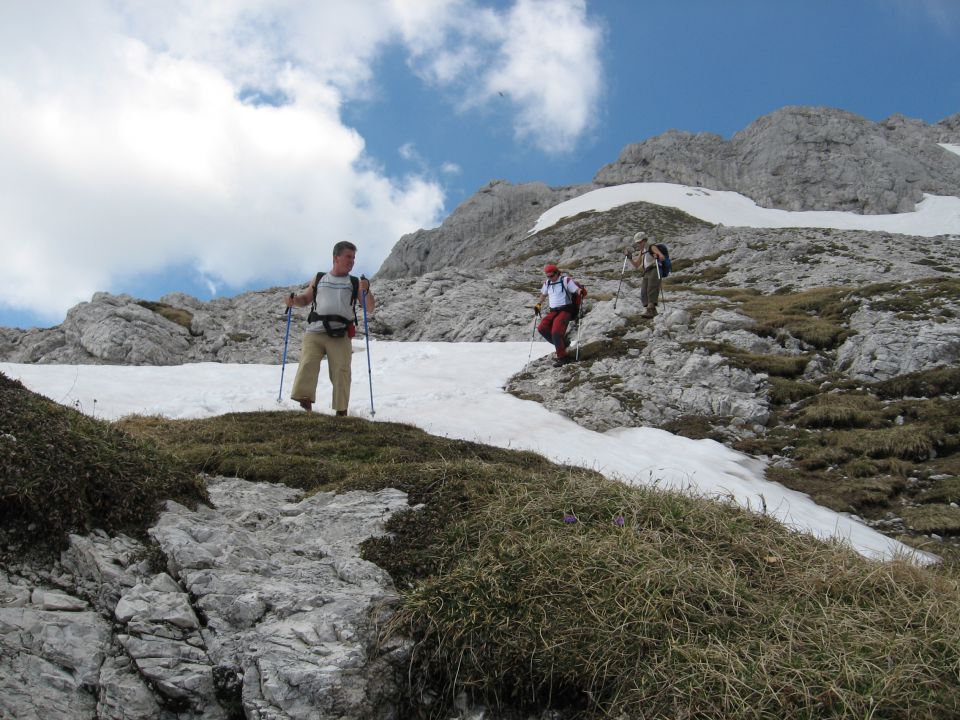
(553, 327)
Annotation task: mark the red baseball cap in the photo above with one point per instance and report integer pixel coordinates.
(551, 269)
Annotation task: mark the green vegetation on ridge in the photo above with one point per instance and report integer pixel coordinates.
(885, 451)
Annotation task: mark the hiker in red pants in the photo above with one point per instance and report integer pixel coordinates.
(560, 291)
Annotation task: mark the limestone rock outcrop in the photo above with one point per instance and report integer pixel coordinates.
(805, 158)
(121, 330)
(489, 224)
(264, 610)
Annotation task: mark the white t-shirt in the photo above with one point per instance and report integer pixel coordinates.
(649, 259)
(333, 298)
(556, 295)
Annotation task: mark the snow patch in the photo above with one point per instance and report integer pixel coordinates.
(935, 215)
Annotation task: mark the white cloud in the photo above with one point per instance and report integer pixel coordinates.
(550, 67)
(125, 147)
(541, 55)
(408, 151)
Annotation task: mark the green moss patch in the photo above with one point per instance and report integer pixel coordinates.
(63, 472)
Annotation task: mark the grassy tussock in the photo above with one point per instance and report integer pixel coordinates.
(906, 442)
(933, 518)
(815, 316)
(819, 316)
(681, 264)
(882, 450)
(613, 347)
(690, 275)
(314, 451)
(842, 411)
(62, 472)
(784, 391)
(928, 298)
(687, 609)
(785, 366)
(931, 383)
(946, 491)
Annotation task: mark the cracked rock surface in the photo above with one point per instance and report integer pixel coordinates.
(265, 609)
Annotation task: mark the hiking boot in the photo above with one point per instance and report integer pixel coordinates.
(306, 405)
(341, 413)
(560, 362)
(650, 312)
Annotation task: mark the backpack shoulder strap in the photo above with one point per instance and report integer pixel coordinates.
(316, 284)
(355, 282)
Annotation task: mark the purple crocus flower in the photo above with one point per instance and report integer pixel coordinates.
(569, 518)
(619, 521)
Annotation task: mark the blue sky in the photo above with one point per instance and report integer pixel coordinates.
(217, 147)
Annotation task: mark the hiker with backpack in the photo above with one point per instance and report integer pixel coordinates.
(564, 296)
(652, 261)
(332, 323)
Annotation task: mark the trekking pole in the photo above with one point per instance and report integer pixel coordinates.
(366, 334)
(579, 327)
(660, 278)
(286, 339)
(622, 271)
(533, 334)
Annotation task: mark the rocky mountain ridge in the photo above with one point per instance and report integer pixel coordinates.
(797, 158)
(801, 158)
